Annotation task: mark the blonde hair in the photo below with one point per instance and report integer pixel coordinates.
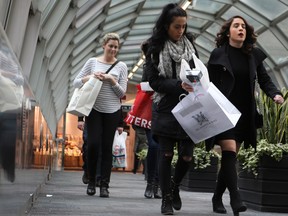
(110, 36)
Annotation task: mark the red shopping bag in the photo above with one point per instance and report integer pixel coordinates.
(141, 111)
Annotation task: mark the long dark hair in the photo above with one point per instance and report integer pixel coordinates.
(250, 39)
(159, 33)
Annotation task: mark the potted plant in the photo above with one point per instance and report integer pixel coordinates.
(203, 171)
(263, 173)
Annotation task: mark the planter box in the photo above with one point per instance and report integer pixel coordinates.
(268, 192)
(201, 180)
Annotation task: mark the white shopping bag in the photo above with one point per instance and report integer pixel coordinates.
(206, 115)
(119, 150)
(200, 73)
(84, 98)
(145, 86)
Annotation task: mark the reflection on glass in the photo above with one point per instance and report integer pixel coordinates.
(11, 97)
(273, 46)
(19, 177)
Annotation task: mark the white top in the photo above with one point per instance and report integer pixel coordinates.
(108, 100)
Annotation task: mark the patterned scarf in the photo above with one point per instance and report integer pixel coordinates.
(182, 49)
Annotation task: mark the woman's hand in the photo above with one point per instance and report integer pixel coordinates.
(278, 99)
(120, 130)
(105, 77)
(187, 87)
(86, 78)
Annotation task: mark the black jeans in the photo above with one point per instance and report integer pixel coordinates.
(101, 128)
(85, 157)
(152, 159)
(184, 148)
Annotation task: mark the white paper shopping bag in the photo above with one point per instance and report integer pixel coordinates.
(200, 73)
(206, 115)
(83, 99)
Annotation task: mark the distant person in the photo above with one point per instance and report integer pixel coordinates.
(104, 118)
(141, 143)
(152, 160)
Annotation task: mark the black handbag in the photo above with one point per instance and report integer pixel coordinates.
(258, 120)
(259, 111)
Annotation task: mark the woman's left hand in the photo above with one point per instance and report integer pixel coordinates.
(187, 87)
(278, 99)
(106, 77)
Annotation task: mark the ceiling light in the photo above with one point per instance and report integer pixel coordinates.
(186, 4)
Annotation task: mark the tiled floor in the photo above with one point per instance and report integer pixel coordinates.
(65, 194)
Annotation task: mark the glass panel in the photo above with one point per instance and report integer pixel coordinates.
(284, 72)
(272, 46)
(214, 29)
(205, 43)
(208, 6)
(196, 22)
(283, 27)
(268, 8)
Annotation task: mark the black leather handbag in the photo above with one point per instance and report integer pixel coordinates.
(258, 120)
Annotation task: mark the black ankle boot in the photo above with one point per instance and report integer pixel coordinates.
(218, 206)
(176, 200)
(85, 179)
(237, 204)
(149, 191)
(104, 192)
(157, 191)
(91, 189)
(166, 207)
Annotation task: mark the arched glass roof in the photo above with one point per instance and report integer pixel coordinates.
(134, 20)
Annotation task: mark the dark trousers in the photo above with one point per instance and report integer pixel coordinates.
(85, 157)
(101, 129)
(152, 160)
(184, 148)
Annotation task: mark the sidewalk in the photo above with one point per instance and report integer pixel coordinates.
(65, 194)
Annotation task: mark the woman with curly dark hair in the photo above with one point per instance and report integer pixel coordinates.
(168, 45)
(234, 67)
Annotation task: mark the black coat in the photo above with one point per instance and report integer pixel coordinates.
(163, 121)
(220, 73)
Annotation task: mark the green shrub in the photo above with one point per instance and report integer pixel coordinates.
(272, 138)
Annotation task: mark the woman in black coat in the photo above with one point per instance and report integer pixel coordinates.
(234, 67)
(169, 44)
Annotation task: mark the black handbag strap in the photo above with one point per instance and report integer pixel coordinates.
(112, 66)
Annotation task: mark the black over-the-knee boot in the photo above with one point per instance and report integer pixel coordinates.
(220, 188)
(181, 169)
(230, 174)
(165, 184)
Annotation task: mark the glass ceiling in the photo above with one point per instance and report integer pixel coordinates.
(134, 21)
(71, 31)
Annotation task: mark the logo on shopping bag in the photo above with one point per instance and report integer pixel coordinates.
(200, 118)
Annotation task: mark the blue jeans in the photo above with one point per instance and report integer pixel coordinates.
(152, 159)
